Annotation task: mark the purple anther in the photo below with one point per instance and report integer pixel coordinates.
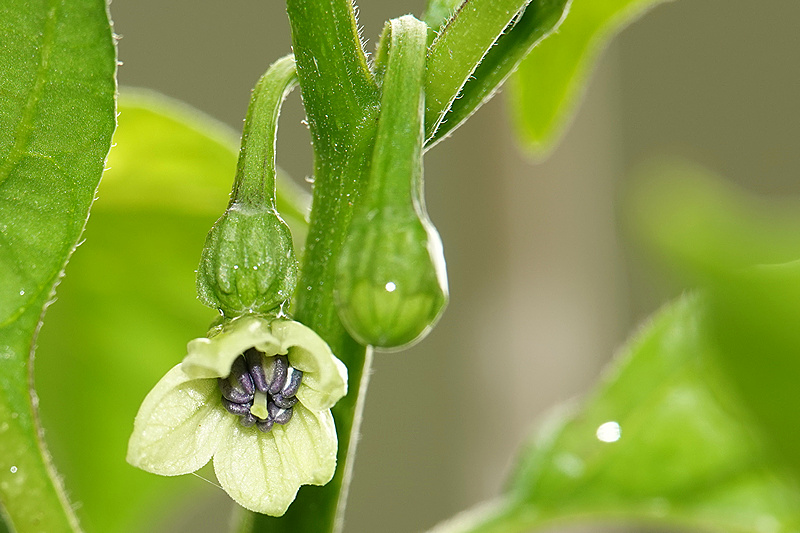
(278, 414)
(238, 386)
(255, 360)
(264, 425)
(233, 393)
(237, 408)
(248, 420)
(292, 382)
(284, 402)
(276, 369)
(242, 376)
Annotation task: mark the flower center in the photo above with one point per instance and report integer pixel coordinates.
(261, 390)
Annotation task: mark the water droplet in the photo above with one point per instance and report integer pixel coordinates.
(14, 415)
(255, 267)
(609, 432)
(13, 469)
(390, 287)
(236, 267)
(310, 179)
(22, 292)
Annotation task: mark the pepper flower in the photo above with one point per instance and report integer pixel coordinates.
(256, 397)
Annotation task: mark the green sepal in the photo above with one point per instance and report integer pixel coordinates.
(248, 263)
(391, 283)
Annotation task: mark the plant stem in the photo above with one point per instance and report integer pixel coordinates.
(341, 101)
(255, 170)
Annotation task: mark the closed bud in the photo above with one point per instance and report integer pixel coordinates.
(392, 282)
(248, 262)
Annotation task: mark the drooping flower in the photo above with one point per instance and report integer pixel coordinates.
(256, 397)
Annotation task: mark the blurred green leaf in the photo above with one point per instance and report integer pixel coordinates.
(128, 307)
(706, 227)
(664, 439)
(183, 160)
(551, 80)
(746, 250)
(57, 86)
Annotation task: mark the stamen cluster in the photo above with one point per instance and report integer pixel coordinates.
(261, 390)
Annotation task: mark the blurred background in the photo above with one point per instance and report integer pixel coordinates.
(544, 283)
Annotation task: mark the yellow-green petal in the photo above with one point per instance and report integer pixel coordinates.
(324, 376)
(263, 471)
(213, 357)
(178, 426)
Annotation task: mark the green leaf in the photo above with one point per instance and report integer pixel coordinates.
(706, 227)
(552, 78)
(539, 20)
(664, 439)
(439, 12)
(747, 251)
(128, 308)
(458, 49)
(57, 84)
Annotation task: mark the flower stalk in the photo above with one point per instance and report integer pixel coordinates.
(391, 284)
(248, 263)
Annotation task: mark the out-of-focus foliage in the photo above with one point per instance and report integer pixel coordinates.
(128, 307)
(551, 80)
(56, 121)
(666, 438)
(697, 423)
(746, 250)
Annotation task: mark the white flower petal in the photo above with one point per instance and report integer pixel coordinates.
(211, 358)
(324, 376)
(178, 425)
(263, 471)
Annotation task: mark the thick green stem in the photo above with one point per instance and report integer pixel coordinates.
(341, 101)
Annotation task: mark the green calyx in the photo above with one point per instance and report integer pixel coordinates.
(248, 263)
(391, 284)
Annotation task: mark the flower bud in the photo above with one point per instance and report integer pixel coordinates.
(391, 283)
(248, 262)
